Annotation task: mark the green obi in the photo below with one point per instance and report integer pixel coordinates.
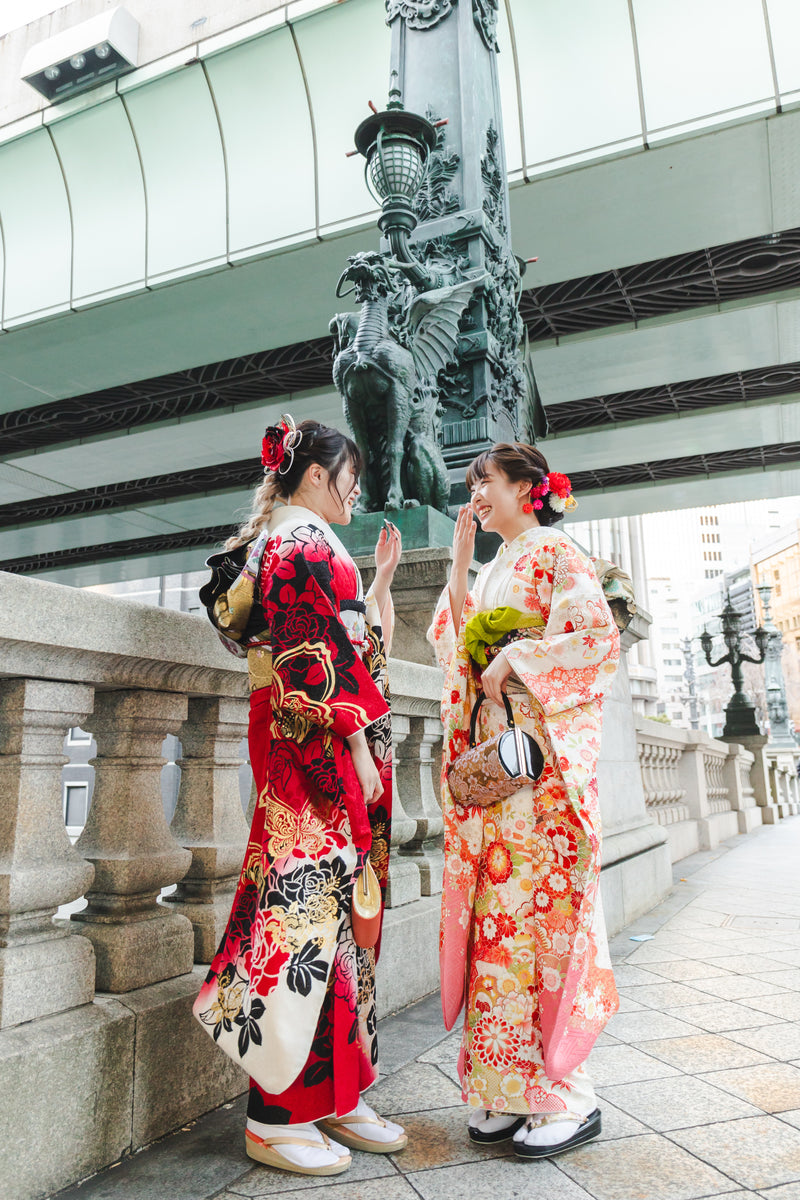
(487, 628)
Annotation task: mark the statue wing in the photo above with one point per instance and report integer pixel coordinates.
(433, 324)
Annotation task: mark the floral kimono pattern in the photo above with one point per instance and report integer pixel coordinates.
(523, 944)
(289, 995)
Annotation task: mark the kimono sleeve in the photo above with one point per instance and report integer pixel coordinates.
(442, 634)
(316, 672)
(574, 661)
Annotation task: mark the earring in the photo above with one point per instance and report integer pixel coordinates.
(527, 508)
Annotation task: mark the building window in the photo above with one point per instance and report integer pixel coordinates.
(76, 806)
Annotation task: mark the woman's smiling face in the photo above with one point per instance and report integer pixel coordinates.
(496, 501)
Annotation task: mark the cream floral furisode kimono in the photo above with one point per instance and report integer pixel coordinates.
(523, 944)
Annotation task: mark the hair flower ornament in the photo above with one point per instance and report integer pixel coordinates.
(539, 492)
(561, 498)
(279, 444)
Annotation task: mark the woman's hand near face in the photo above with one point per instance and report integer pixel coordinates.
(387, 555)
(495, 678)
(366, 772)
(463, 552)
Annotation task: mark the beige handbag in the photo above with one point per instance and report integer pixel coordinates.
(367, 908)
(497, 767)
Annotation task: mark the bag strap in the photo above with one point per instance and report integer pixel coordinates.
(474, 719)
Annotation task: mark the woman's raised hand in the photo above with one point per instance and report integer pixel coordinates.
(387, 555)
(463, 542)
(463, 550)
(388, 549)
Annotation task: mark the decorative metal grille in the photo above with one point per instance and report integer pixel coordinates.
(689, 395)
(735, 271)
(183, 393)
(197, 482)
(80, 555)
(692, 466)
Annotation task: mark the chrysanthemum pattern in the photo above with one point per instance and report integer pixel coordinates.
(520, 898)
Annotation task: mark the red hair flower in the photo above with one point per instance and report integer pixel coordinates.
(273, 450)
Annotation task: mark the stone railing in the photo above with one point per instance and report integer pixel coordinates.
(97, 1004)
(699, 788)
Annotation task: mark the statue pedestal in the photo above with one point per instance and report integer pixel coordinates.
(417, 585)
(420, 528)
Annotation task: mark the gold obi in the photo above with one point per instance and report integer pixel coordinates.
(259, 667)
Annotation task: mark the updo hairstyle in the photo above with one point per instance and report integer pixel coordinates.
(518, 462)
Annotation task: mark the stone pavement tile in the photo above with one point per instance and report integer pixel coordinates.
(786, 979)
(626, 975)
(413, 1089)
(788, 1191)
(605, 1039)
(647, 1024)
(740, 945)
(624, 1064)
(618, 1124)
(268, 1181)
(628, 1004)
(786, 1005)
(687, 970)
(666, 996)
(748, 964)
(445, 1051)
(773, 1087)
(702, 916)
(734, 987)
(439, 1138)
(790, 957)
(498, 1179)
(718, 1016)
(406, 1034)
(781, 1041)
(703, 1052)
(650, 952)
(338, 1187)
(648, 1167)
(792, 1116)
(188, 1165)
(677, 1103)
(758, 1152)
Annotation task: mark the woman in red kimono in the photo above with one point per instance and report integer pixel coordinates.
(290, 996)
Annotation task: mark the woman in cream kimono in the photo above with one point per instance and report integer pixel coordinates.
(290, 996)
(523, 945)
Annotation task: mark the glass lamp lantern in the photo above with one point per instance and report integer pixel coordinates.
(396, 145)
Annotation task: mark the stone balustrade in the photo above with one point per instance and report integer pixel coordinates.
(698, 788)
(97, 1008)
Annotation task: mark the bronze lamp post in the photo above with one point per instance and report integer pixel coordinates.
(740, 713)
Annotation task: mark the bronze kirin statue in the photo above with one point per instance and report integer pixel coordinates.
(387, 363)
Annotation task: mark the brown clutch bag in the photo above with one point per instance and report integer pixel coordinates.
(497, 767)
(367, 908)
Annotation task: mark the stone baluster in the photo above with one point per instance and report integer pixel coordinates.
(404, 877)
(137, 941)
(740, 789)
(418, 765)
(208, 817)
(42, 969)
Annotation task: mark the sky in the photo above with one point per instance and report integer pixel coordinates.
(14, 13)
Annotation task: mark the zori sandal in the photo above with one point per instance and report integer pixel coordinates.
(487, 1128)
(263, 1150)
(531, 1141)
(378, 1136)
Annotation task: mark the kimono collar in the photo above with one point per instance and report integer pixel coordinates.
(297, 514)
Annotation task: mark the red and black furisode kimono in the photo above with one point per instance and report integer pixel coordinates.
(289, 995)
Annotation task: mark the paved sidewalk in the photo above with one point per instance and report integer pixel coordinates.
(698, 1074)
